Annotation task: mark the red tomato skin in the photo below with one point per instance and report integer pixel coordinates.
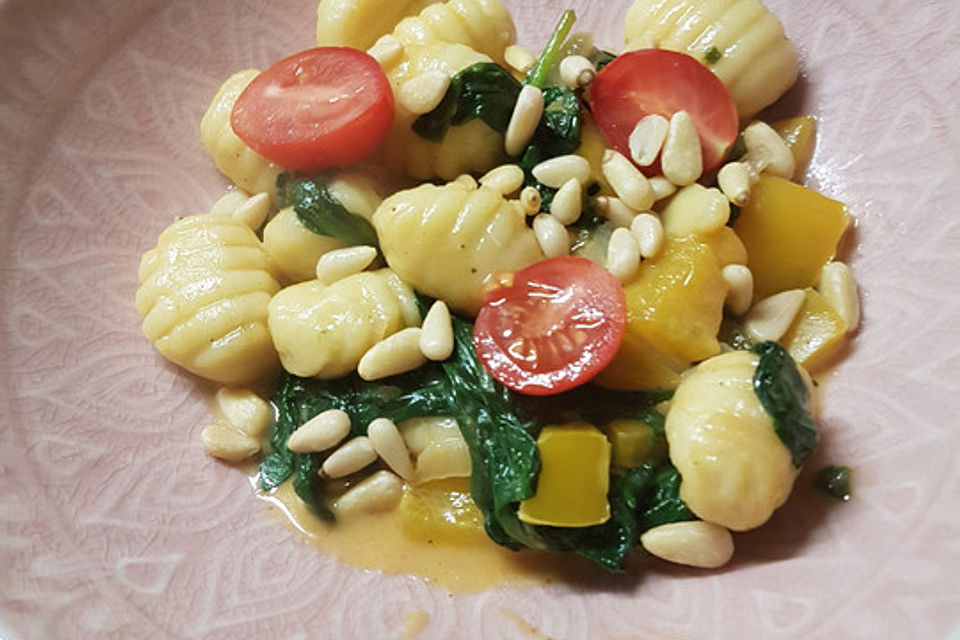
(309, 132)
(658, 81)
(596, 321)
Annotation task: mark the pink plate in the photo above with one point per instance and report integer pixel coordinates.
(115, 524)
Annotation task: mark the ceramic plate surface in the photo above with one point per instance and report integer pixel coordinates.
(115, 524)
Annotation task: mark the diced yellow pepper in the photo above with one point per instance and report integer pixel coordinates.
(800, 134)
(727, 246)
(574, 478)
(441, 511)
(817, 333)
(633, 443)
(790, 232)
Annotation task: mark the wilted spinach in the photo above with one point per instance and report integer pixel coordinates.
(321, 212)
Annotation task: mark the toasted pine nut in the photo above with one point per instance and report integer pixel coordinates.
(839, 288)
(350, 457)
(555, 172)
(395, 354)
(524, 120)
(647, 138)
(466, 180)
(340, 263)
(381, 491)
(387, 51)
(223, 440)
(768, 151)
(695, 209)
(625, 179)
(662, 188)
(446, 458)
(436, 335)
(739, 281)
(567, 203)
(693, 543)
(321, 432)
(613, 209)
(551, 236)
(254, 211)
(770, 318)
(506, 178)
(681, 159)
(519, 58)
(245, 410)
(577, 72)
(421, 94)
(648, 231)
(734, 181)
(230, 201)
(623, 254)
(530, 200)
(389, 445)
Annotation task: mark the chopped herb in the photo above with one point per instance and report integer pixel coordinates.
(712, 56)
(835, 481)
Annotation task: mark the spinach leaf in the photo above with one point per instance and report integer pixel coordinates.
(781, 390)
(322, 213)
(548, 59)
(835, 481)
(557, 134)
(663, 504)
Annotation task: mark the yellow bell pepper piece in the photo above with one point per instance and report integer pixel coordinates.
(574, 478)
(441, 511)
(817, 334)
(790, 232)
(633, 443)
(800, 134)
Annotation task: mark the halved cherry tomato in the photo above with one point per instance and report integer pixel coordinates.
(558, 324)
(657, 81)
(320, 108)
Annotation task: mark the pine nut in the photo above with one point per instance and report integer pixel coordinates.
(524, 120)
(321, 432)
(648, 231)
(223, 440)
(768, 150)
(839, 288)
(681, 159)
(530, 200)
(577, 72)
(381, 491)
(739, 281)
(245, 410)
(389, 445)
(647, 138)
(467, 180)
(695, 209)
(436, 334)
(519, 58)
(505, 179)
(555, 172)
(734, 181)
(353, 455)
(567, 203)
(446, 458)
(230, 201)
(662, 188)
(388, 51)
(770, 318)
(396, 354)
(613, 209)
(623, 254)
(254, 211)
(340, 263)
(421, 94)
(551, 236)
(694, 543)
(627, 182)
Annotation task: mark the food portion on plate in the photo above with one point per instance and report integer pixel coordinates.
(564, 301)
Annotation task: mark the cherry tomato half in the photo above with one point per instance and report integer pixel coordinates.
(555, 327)
(320, 108)
(657, 81)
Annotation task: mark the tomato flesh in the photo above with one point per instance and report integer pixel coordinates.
(657, 81)
(320, 108)
(558, 324)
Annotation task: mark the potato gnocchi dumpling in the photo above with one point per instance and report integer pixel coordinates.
(739, 40)
(323, 330)
(447, 241)
(294, 248)
(358, 23)
(735, 469)
(483, 25)
(203, 296)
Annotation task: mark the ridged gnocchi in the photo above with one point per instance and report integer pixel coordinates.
(446, 241)
(358, 23)
(483, 25)
(322, 330)
(735, 470)
(242, 165)
(203, 296)
(757, 62)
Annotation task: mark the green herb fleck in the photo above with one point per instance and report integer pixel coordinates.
(712, 55)
(835, 481)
